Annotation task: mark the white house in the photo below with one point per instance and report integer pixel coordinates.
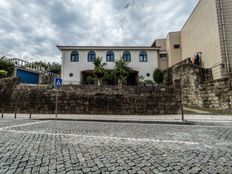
(77, 60)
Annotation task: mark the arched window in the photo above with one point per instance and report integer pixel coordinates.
(74, 56)
(91, 56)
(127, 56)
(143, 56)
(110, 56)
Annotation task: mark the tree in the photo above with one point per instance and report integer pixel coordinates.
(51, 67)
(99, 69)
(7, 66)
(54, 68)
(122, 71)
(158, 76)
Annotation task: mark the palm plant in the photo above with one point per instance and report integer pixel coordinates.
(122, 71)
(99, 69)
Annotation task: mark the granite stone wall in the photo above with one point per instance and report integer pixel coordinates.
(198, 87)
(128, 100)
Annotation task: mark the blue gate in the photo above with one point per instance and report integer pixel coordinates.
(27, 76)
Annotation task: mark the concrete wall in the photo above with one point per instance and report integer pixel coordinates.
(89, 99)
(225, 13)
(163, 62)
(82, 65)
(201, 34)
(174, 54)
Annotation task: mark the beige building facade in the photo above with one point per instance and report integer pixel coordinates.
(173, 45)
(162, 56)
(208, 32)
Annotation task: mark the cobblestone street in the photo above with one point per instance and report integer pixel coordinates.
(33, 146)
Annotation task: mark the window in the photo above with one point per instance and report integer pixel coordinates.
(163, 55)
(127, 56)
(91, 56)
(143, 56)
(74, 56)
(176, 46)
(110, 56)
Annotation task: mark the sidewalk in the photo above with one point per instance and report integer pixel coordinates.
(129, 118)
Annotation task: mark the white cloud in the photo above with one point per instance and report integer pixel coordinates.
(32, 28)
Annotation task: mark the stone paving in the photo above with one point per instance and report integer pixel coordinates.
(32, 146)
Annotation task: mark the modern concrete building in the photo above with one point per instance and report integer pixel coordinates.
(162, 56)
(77, 61)
(170, 50)
(208, 33)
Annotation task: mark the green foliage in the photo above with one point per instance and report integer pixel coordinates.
(3, 73)
(121, 70)
(54, 68)
(148, 82)
(143, 82)
(7, 66)
(109, 77)
(90, 80)
(158, 76)
(99, 69)
(51, 67)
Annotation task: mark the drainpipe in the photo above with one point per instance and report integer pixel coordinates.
(224, 35)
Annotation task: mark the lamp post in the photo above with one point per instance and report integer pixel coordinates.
(181, 95)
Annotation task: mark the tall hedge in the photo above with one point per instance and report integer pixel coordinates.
(158, 76)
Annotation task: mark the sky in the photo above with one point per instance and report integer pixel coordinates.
(31, 29)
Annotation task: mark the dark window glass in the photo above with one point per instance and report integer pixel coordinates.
(110, 56)
(127, 56)
(74, 56)
(143, 56)
(91, 56)
(163, 55)
(177, 46)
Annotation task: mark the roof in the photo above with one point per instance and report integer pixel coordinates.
(154, 43)
(106, 48)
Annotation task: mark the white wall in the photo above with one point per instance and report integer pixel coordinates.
(82, 65)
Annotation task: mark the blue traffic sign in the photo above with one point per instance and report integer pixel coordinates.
(58, 82)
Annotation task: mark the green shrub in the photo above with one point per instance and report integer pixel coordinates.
(109, 77)
(3, 73)
(90, 80)
(158, 76)
(148, 82)
(7, 66)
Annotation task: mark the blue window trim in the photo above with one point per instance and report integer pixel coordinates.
(110, 56)
(74, 56)
(127, 56)
(91, 56)
(143, 56)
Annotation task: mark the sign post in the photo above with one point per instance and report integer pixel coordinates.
(57, 84)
